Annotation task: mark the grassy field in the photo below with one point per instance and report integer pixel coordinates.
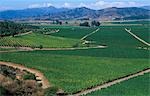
(35, 40)
(73, 32)
(142, 31)
(138, 86)
(73, 73)
(129, 22)
(74, 70)
(114, 36)
(7, 49)
(111, 52)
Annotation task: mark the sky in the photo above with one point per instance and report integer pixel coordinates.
(93, 4)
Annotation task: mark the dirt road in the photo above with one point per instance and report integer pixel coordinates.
(84, 92)
(22, 34)
(39, 75)
(48, 49)
(83, 38)
(136, 37)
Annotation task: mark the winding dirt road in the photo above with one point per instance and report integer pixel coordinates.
(84, 92)
(39, 75)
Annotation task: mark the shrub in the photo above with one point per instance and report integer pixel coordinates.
(52, 91)
(29, 77)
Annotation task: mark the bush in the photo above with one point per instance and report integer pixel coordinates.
(29, 77)
(40, 46)
(86, 24)
(52, 91)
(76, 45)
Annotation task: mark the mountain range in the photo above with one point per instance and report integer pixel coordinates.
(52, 13)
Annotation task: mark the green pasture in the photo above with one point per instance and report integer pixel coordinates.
(74, 73)
(138, 86)
(35, 40)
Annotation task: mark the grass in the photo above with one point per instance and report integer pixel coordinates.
(110, 52)
(73, 73)
(114, 36)
(138, 86)
(74, 70)
(71, 32)
(142, 31)
(7, 49)
(35, 40)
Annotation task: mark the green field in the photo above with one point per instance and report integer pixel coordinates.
(75, 70)
(73, 32)
(73, 73)
(130, 22)
(35, 40)
(142, 31)
(138, 86)
(115, 36)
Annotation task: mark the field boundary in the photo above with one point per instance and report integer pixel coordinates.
(84, 37)
(110, 83)
(50, 49)
(22, 34)
(136, 37)
(39, 75)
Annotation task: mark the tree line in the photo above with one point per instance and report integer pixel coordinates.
(8, 28)
(93, 24)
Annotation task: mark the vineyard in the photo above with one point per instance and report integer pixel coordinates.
(35, 40)
(66, 71)
(130, 88)
(80, 69)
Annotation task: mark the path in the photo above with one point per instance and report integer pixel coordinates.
(84, 92)
(22, 34)
(84, 37)
(48, 49)
(136, 37)
(39, 75)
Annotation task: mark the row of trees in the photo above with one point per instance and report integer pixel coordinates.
(93, 23)
(8, 28)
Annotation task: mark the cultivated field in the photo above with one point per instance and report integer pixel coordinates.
(81, 69)
(35, 40)
(138, 86)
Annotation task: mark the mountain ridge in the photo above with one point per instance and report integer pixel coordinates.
(52, 13)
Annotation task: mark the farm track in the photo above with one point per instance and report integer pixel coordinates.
(84, 37)
(22, 34)
(48, 49)
(136, 37)
(39, 75)
(99, 87)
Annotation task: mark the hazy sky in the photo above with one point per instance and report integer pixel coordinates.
(94, 4)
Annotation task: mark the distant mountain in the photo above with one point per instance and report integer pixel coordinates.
(50, 13)
(123, 13)
(75, 13)
(30, 12)
(103, 14)
(146, 7)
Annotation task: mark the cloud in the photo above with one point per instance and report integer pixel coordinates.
(39, 5)
(2, 8)
(99, 4)
(103, 4)
(67, 5)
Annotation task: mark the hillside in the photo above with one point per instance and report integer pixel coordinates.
(30, 12)
(50, 13)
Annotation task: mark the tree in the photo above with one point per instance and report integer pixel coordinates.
(66, 22)
(40, 46)
(95, 23)
(86, 24)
